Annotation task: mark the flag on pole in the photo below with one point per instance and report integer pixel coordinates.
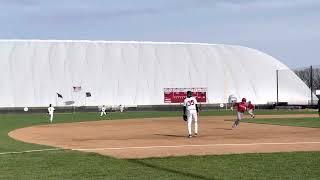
(88, 94)
(76, 88)
(59, 96)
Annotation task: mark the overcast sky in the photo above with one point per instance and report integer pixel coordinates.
(289, 30)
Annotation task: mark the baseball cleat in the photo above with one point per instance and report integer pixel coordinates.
(190, 136)
(196, 134)
(234, 125)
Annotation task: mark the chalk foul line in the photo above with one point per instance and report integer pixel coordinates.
(195, 145)
(30, 151)
(152, 147)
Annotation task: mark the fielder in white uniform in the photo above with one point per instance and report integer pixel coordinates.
(103, 111)
(191, 110)
(50, 112)
(121, 108)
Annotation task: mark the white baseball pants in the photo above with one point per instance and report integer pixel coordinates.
(250, 111)
(193, 116)
(51, 117)
(103, 113)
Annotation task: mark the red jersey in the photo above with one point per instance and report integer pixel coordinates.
(241, 107)
(250, 106)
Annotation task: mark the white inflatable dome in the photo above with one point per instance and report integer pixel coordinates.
(135, 73)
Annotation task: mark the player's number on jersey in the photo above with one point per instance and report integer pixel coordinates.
(190, 103)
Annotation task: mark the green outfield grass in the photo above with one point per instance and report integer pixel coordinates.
(77, 165)
(312, 122)
(64, 164)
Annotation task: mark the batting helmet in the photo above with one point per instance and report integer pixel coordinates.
(244, 100)
(189, 93)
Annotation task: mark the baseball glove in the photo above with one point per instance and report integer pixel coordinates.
(185, 118)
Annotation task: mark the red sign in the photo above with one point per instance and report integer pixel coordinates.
(177, 95)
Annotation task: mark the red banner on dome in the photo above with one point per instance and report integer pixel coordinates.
(177, 95)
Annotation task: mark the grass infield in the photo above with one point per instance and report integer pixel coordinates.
(65, 164)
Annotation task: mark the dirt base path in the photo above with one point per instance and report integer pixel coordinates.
(160, 137)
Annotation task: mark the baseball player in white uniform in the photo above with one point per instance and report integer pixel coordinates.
(121, 108)
(50, 112)
(190, 113)
(103, 111)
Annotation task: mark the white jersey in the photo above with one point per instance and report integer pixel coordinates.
(50, 110)
(121, 108)
(103, 109)
(190, 104)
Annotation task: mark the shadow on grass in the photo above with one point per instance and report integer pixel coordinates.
(187, 174)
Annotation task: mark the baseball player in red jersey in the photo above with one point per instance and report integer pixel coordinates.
(250, 109)
(241, 108)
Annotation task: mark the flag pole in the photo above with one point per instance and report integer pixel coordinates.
(72, 104)
(85, 100)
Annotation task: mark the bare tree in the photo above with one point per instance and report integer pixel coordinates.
(305, 75)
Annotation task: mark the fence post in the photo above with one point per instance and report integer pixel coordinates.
(277, 77)
(311, 84)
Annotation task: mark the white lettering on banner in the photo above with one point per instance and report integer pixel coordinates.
(177, 95)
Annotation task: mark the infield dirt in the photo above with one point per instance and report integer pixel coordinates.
(161, 137)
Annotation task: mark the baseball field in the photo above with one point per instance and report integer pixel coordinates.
(282, 144)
